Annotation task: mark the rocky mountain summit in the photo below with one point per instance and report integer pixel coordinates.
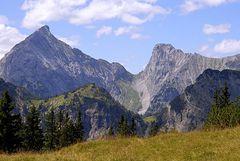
(48, 67)
(170, 71)
(189, 110)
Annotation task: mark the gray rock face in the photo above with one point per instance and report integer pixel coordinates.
(170, 71)
(189, 110)
(47, 67)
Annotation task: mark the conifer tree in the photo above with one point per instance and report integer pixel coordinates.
(120, 128)
(71, 129)
(67, 132)
(111, 131)
(123, 128)
(216, 98)
(60, 119)
(225, 96)
(51, 131)
(10, 125)
(79, 130)
(133, 128)
(33, 132)
(224, 113)
(153, 129)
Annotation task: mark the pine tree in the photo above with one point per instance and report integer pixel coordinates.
(10, 125)
(223, 112)
(71, 132)
(216, 98)
(153, 129)
(50, 136)
(123, 128)
(225, 96)
(79, 130)
(60, 119)
(133, 128)
(33, 132)
(67, 132)
(120, 128)
(111, 131)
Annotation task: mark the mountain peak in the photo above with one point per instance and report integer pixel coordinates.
(41, 37)
(44, 28)
(164, 46)
(43, 31)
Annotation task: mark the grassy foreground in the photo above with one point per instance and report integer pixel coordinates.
(195, 146)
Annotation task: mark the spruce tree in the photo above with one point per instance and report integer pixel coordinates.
(33, 131)
(79, 130)
(120, 128)
(153, 129)
(60, 119)
(67, 132)
(123, 128)
(223, 113)
(111, 131)
(71, 129)
(216, 98)
(50, 136)
(133, 128)
(10, 125)
(225, 96)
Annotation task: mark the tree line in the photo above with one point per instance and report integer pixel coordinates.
(26, 134)
(224, 112)
(36, 132)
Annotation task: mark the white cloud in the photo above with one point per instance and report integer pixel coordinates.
(9, 36)
(73, 41)
(82, 12)
(132, 31)
(194, 5)
(125, 30)
(105, 30)
(150, 1)
(203, 48)
(216, 29)
(228, 46)
(137, 36)
(3, 20)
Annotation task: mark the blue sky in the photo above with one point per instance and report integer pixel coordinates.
(125, 31)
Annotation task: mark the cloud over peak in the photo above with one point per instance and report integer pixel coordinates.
(216, 29)
(228, 46)
(85, 12)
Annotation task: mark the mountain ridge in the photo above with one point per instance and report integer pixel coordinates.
(171, 70)
(189, 110)
(47, 67)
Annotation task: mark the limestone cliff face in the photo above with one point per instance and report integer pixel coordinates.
(189, 110)
(170, 71)
(47, 67)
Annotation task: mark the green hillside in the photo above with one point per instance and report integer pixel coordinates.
(195, 146)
